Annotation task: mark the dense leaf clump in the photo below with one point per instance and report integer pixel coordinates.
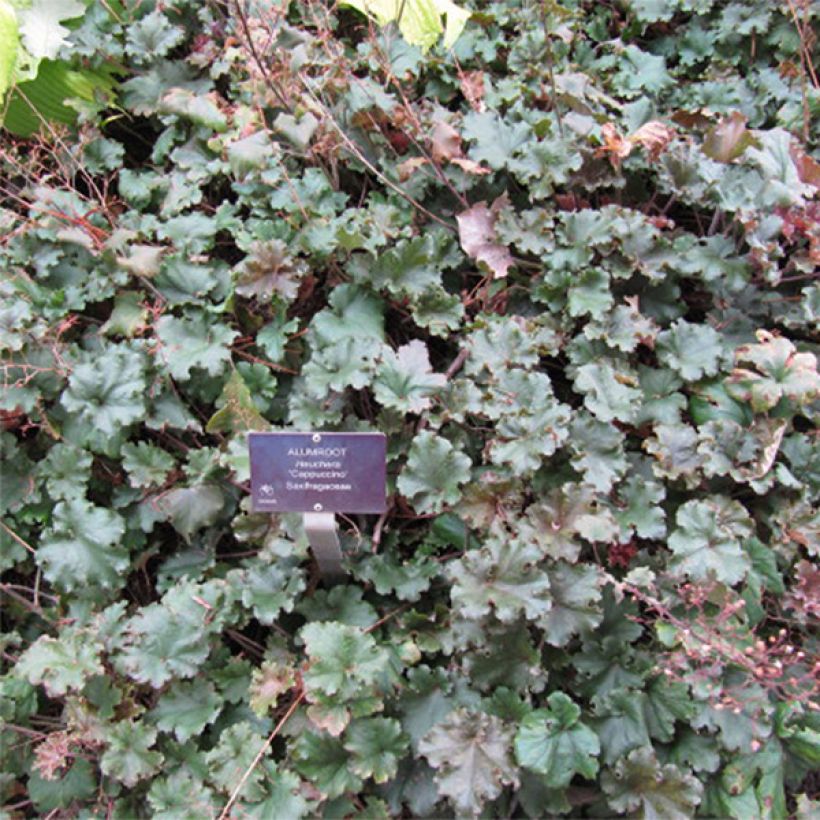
(566, 261)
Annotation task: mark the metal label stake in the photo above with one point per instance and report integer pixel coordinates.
(323, 537)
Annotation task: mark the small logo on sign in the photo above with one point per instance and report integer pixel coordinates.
(266, 489)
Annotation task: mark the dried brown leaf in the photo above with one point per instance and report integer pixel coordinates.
(409, 167)
(476, 232)
(470, 166)
(446, 142)
(653, 137)
(472, 87)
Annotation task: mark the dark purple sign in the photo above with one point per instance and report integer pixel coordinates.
(318, 472)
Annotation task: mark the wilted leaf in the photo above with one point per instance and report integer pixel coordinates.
(476, 232)
(780, 372)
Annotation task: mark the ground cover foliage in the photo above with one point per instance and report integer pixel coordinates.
(567, 265)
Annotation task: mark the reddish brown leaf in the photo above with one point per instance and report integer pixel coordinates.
(808, 169)
(728, 139)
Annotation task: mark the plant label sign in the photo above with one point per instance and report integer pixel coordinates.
(318, 472)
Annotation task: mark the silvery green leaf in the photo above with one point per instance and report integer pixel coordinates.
(433, 473)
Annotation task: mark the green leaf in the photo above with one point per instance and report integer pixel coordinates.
(152, 36)
(667, 701)
(638, 509)
(404, 379)
(692, 351)
(297, 132)
(554, 743)
(342, 603)
(146, 465)
(341, 658)
(503, 578)
(108, 391)
(128, 757)
(495, 139)
(180, 796)
(324, 760)
(523, 438)
(623, 328)
(283, 798)
(659, 791)
(589, 294)
(576, 596)
(555, 523)
(640, 71)
(170, 639)
(376, 745)
(407, 580)
(194, 342)
(269, 590)
(186, 709)
(77, 784)
(598, 448)
(621, 723)
(66, 470)
(83, 547)
(33, 105)
(350, 363)
(706, 542)
(200, 109)
(471, 755)
(60, 664)
(227, 763)
(675, 448)
(433, 473)
(249, 153)
(607, 393)
(352, 313)
(128, 315)
(413, 267)
(782, 182)
(189, 509)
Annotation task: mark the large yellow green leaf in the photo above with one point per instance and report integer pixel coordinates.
(419, 21)
(9, 43)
